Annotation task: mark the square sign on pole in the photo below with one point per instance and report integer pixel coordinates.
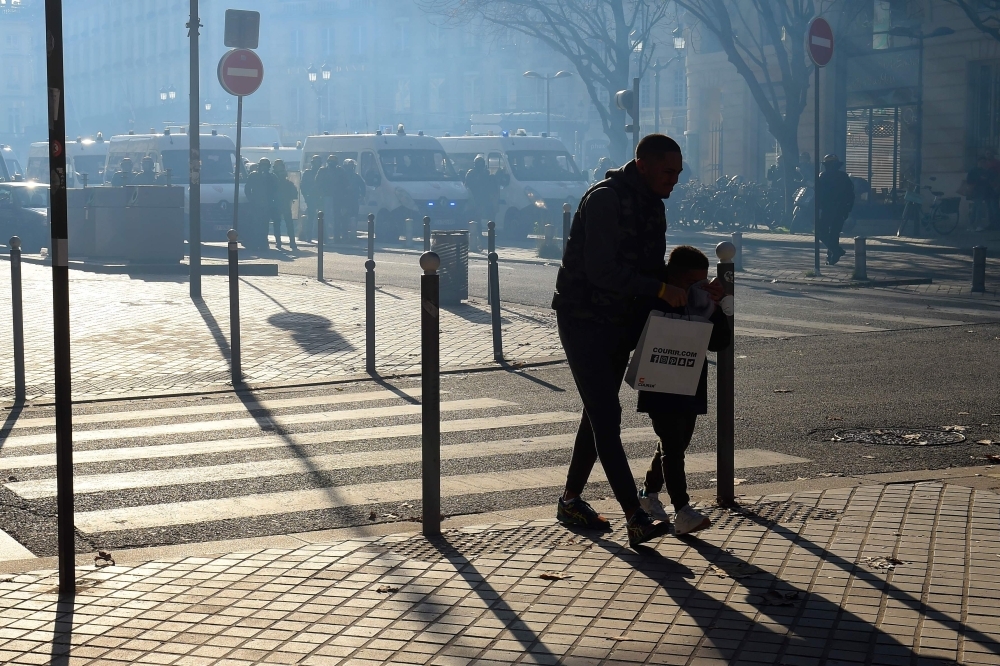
(242, 28)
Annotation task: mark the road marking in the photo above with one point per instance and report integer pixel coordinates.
(906, 319)
(295, 501)
(99, 483)
(11, 549)
(818, 325)
(223, 408)
(290, 440)
(260, 423)
(765, 333)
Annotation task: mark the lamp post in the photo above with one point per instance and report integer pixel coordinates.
(657, 67)
(319, 80)
(167, 95)
(917, 34)
(561, 74)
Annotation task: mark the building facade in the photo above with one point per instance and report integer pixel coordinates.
(22, 74)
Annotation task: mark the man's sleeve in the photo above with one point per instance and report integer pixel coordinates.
(601, 234)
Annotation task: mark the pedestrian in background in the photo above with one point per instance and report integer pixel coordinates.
(285, 194)
(124, 174)
(484, 188)
(674, 416)
(835, 194)
(146, 175)
(356, 192)
(312, 198)
(614, 257)
(261, 191)
(331, 187)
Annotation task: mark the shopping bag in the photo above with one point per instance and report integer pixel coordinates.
(670, 354)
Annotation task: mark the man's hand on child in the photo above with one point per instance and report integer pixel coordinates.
(674, 296)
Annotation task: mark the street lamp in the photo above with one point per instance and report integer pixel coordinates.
(657, 67)
(163, 95)
(561, 74)
(915, 33)
(319, 80)
(171, 93)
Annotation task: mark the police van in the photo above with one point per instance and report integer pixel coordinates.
(10, 166)
(85, 160)
(171, 155)
(406, 175)
(543, 176)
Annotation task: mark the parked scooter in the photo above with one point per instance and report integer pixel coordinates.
(804, 210)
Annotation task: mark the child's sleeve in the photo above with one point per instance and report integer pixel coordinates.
(721, 335)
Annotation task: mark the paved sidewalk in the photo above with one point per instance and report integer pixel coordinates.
(878, 574)
(133, 336)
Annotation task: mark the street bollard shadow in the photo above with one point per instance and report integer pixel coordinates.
(313, 333)
(62, 631)
(11, 420)
(221, 341)
(519, 372)
(472, 314)
(792, 609)
(477, 582)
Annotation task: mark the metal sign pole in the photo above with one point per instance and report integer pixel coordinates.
(816, 159)
(60, 297)
(726, 385)
(239, 163)
(430, 399)
(194, 137)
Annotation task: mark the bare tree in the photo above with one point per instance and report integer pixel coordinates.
(606, 40)
(984, 14)
(765, 41)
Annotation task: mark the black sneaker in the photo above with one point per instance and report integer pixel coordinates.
(577, 513)
(642, 528)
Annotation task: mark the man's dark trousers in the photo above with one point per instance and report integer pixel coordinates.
(830, 228)
(598, 355)
(674, 431)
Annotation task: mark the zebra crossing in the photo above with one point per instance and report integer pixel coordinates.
(131, 475)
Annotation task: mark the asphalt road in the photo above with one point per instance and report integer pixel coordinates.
(932, 364)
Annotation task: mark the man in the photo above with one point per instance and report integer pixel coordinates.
(124, 174)
(285, 193)
(484, 188)
(313, 201)
(835, 193)
(261, 189)
(614, 257)
(331, 187)
(356, 192)
(146, 175)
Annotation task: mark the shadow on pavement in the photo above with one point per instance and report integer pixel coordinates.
(519, 372)
(313, 333)
(8, 424)
(812, 627)
(62, 631)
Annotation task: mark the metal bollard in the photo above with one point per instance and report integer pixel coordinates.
(20, 391)
(319, 246)
(370, 299)
(475, 236)
(738, 244)
(408, 232)
(430, 402)
(234, 309)
(860, 259)
(726, 403)
(550, 232)
(427, 233)
(979, 269)
(566, 225)
(494, 286)
(491, 248)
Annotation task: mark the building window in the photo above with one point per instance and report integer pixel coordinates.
(603, 96)
(508, 91)
(360, 39)
(473, 97)
(402, 95)
(984, 109)
(295, 47)
(326, 42)
(14, 120)
(435, 97)
(679, 97)
(298, 108)
(434, 37)
(401, 41)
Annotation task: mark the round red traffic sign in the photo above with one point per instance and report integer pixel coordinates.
(819, 39)
(241, 72)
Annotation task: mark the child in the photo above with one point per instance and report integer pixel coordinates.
(674, 415)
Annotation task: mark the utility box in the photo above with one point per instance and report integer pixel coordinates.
(452, 246)
(137, 223)
(80, 229)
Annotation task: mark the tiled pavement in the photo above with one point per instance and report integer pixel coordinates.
(879, 574)
(134, 336)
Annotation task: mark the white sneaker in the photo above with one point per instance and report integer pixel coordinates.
(688, 520)
(651, 504)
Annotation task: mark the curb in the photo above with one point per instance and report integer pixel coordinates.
(514, 366)
(874, 244)
(158, 269)
(847, 284)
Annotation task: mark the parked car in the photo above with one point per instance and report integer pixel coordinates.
(24, 212)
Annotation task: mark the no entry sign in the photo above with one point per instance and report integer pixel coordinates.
(819, 39)
(241, 72)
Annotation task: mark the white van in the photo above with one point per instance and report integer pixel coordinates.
(407, 176)
(292, 157)
(543, 176)
(10, 166)
(171, 152)
(85, 160)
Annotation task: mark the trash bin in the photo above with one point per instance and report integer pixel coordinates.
(452, 246)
